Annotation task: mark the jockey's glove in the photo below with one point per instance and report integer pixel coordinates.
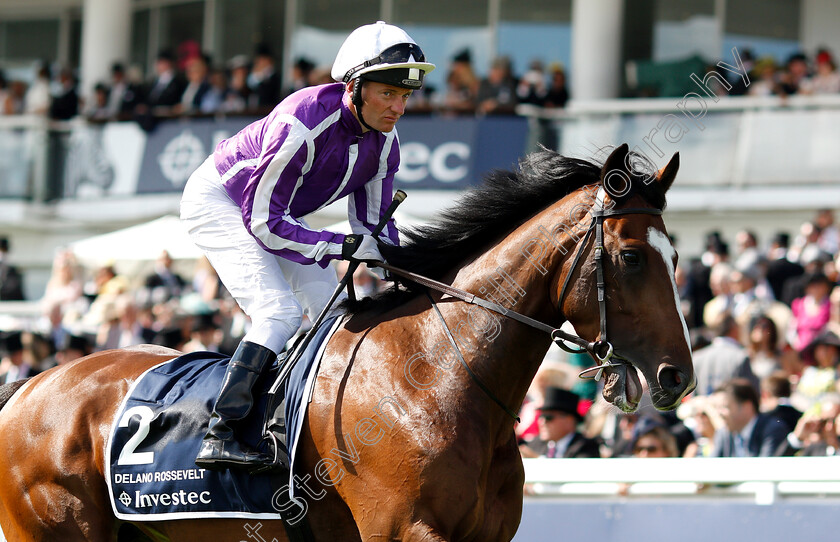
(362, 248)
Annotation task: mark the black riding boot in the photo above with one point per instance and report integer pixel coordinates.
(219, 450)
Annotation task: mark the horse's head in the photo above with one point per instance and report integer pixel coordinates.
(640, 314)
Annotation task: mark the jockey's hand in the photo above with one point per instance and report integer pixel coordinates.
(361, 248)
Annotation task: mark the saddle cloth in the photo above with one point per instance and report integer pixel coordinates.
(150, 456)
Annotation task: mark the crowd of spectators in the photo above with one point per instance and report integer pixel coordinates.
(798, 75)
(192, 84)
(189, 83)
(84, 311)
(88, 309)
(765, 329)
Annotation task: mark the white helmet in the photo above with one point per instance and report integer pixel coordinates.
(384, 53)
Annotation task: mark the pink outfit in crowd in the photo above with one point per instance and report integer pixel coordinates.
(808, 326)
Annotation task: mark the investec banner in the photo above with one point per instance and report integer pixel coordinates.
(437, 153)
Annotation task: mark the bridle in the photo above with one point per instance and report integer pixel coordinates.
(601, 350)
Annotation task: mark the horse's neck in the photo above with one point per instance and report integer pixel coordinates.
(504, 352)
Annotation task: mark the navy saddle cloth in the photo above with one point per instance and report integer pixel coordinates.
(150, 456)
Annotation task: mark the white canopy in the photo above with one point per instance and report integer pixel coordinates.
(143, 242)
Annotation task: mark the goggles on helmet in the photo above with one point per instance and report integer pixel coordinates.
(400, 53)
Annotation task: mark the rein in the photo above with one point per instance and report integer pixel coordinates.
(601, 350)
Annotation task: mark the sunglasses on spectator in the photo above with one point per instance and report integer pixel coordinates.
(648, 449)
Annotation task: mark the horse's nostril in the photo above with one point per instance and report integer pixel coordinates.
(672, 379)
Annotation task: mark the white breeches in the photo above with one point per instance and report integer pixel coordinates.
(272, 291)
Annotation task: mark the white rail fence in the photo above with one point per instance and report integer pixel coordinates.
(738, 499)
(765, 479)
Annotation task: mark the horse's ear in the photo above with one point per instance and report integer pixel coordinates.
(617, 161)
(668, 173)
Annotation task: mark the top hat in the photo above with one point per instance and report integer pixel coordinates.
(75, 342)
(818, 278)
(562, 400)
(204, 321)
(463, 56)
(11, 342)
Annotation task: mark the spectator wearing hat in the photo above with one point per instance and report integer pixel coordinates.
(794, 79)
(170, 337)
(701, 416)
(96, 110)
(197, 88)
(13, 365)
(826, 80)
(746, 431)
(164, 283)
(558, 92)
(811, 312)
(125, 95)
(550, 374)
(166, 88)
(11, 280)
(71, 348)
(779, 269)
(264, 81)
(820, 378)
(205, 334)
(558, 435)
(301, 72)
(765, 78)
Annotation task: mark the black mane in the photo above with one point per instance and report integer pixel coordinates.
(482, 215)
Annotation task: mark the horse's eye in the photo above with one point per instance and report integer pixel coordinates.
(631, 258)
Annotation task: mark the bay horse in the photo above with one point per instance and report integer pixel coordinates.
(400, 442)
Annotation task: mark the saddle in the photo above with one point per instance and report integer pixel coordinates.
(159, 427)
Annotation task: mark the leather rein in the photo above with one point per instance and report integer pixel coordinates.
(601, 350)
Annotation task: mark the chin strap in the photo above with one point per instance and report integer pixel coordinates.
(357, 101)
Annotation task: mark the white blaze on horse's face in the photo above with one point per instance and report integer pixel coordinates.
(663, 246)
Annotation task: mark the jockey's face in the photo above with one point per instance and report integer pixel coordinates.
(383, 105)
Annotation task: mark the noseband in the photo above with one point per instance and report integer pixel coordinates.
(601, 350)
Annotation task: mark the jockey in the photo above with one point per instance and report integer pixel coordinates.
(243, 208)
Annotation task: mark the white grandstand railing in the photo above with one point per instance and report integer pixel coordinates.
(578, 108)
(764, 478)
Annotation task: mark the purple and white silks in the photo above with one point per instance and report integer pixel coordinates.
(307, 153)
